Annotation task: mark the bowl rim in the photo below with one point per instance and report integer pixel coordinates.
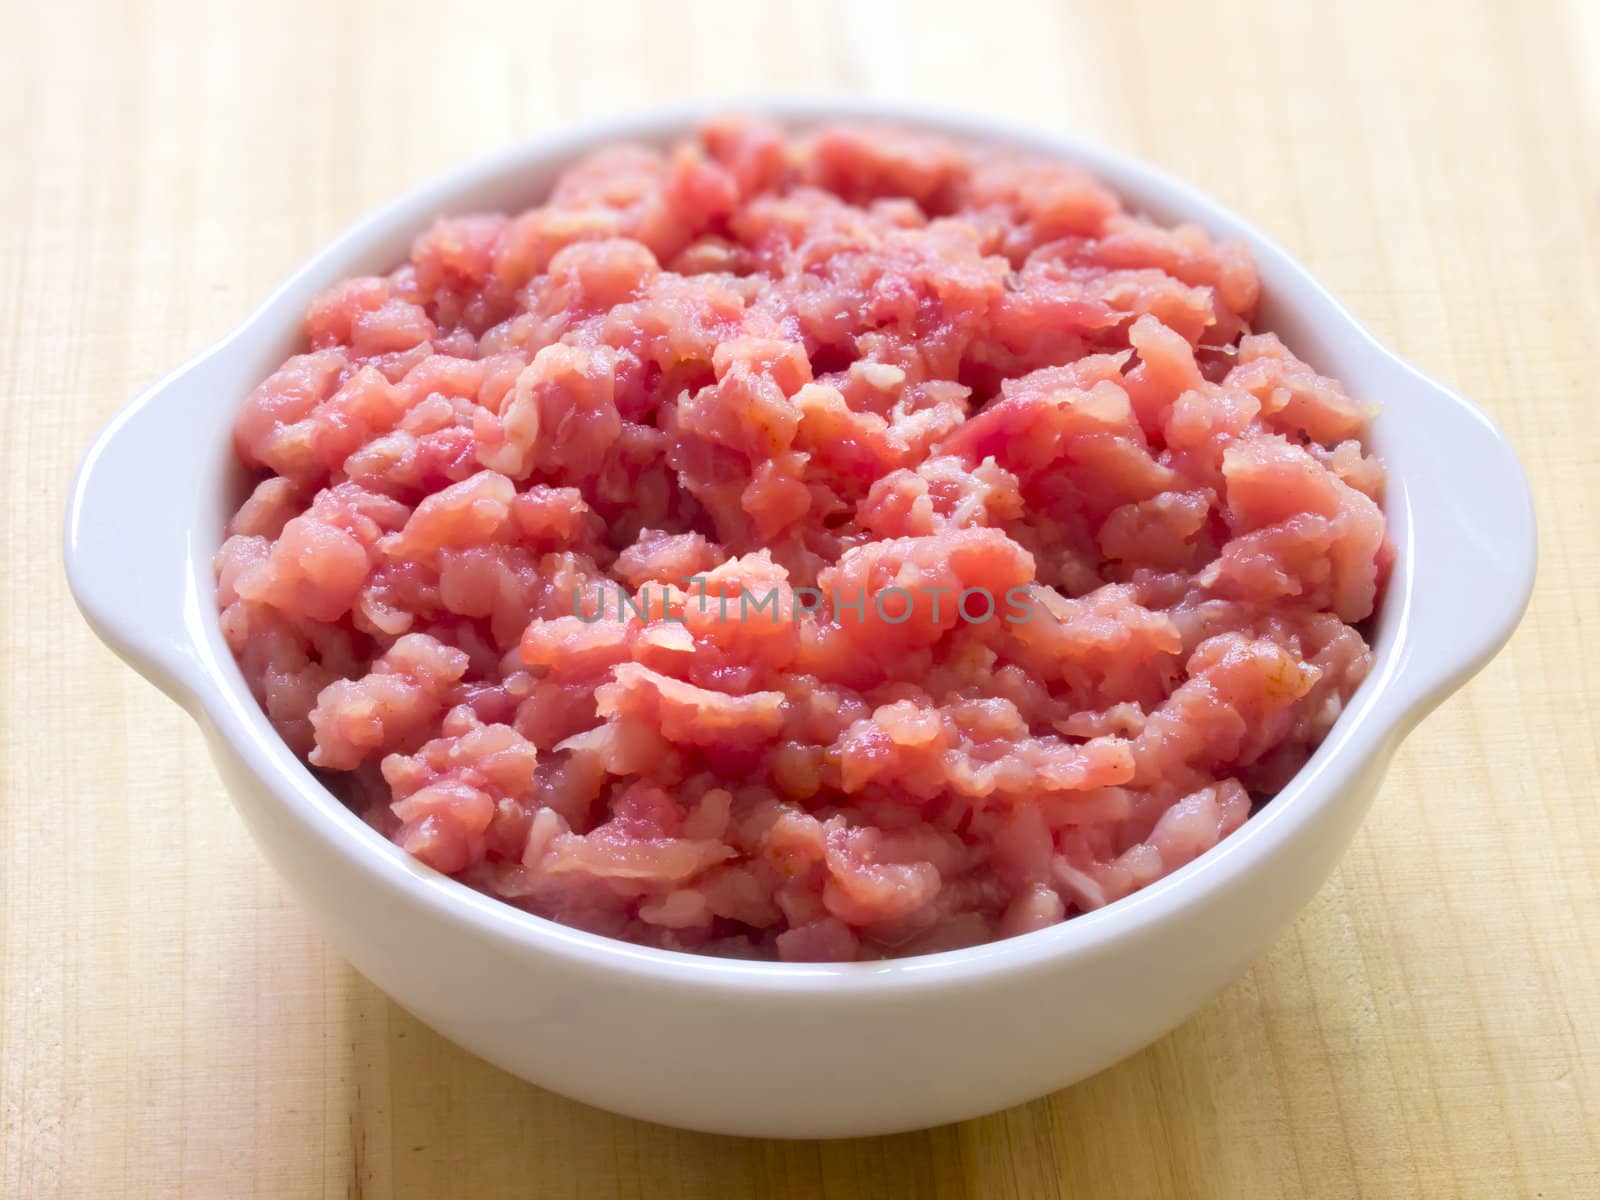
(1368, 730)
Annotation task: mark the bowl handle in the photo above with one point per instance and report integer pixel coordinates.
(1470, 536)
(130, 528)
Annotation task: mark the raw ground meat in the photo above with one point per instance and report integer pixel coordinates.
(1058, 563)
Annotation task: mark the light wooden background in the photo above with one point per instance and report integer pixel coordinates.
(169, 1025)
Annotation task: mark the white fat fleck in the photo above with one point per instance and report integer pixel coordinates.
(883, 376)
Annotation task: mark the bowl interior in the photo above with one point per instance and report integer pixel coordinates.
(1308, 318)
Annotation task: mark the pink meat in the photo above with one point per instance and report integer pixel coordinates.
(817, 548)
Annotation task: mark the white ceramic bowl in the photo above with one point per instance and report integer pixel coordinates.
(781, 1049)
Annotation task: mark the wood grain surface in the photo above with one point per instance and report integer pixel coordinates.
(169, 1023)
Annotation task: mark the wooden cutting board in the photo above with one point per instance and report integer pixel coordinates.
(170, 1025)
